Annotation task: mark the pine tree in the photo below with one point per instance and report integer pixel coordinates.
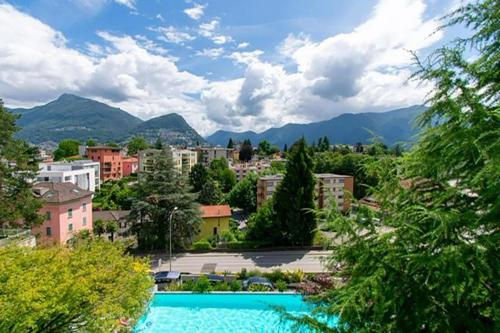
(230, 144)
(18, 168)
(294, 197)
(246, 151)
(158, 143)
(158, 192)
(285, 148)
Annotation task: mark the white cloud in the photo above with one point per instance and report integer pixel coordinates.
(171, 34)
(195, 12)
(246, 57)
(221, 39)
(207, 29)
(243, 45)
(128, 3)
(211, 53)
(160, 17)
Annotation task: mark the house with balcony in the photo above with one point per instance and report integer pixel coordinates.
(110, 160)
(83, 173)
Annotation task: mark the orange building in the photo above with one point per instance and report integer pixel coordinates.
(129, 165)
(110, 160)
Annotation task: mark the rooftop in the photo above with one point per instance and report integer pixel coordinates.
(59, 192)
(215, 211)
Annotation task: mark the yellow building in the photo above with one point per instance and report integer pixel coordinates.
(215, 221)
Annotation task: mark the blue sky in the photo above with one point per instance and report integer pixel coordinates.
(222, 64)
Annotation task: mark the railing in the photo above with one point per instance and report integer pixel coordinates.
(9, 235)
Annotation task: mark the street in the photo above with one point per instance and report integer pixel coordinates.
(307, 261)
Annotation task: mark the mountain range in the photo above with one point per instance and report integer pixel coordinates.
(74, 117)
(391, 126)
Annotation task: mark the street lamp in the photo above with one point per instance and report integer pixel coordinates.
(170, 238)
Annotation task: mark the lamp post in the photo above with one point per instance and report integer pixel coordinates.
(170, 239)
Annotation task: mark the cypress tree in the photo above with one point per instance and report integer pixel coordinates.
(158, 192)
(230, 144)
(294, 198)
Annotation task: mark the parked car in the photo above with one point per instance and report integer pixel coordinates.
(167, 277)
(259, 280)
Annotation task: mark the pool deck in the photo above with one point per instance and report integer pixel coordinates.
(195, 263)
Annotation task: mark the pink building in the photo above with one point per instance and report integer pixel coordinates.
(67, 210)
(129, 165)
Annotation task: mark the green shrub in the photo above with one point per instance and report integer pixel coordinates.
(295, 276)
(222, 286)
(254, 272)
(258, 288)
(227, 236)
(201, 245)
(276, 275)
(235, 285)
(242, 275)
(281, 285)
(213, 240)
(188, 285)
(174, 287)
(202, 285)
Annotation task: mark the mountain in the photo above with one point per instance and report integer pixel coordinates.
(393, 126)
(74, 117)
(172, 128)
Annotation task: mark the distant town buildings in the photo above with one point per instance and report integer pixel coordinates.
(83, 173)
(67, 210)
(110, 160)
(328, 186)
(207, 155)
(130, 165)
(243, 169)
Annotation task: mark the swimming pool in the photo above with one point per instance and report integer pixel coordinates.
(219, 312)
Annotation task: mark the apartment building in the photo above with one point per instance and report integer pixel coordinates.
(243, 169)
(83, 173)
(183, 159)
(130, 165)
(110, 161)
(207, 155)
(328, 186)
(67, 210)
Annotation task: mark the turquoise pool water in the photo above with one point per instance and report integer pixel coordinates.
(219, 313)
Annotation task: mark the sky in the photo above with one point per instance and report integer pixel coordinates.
(221, 64)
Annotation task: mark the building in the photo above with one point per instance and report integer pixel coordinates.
(243, 169)
(82, 173)
(216, 220)
(332, 186)
(183, 159)
(207, 155)
(130, 165)
(110, 161)
(328, 185)
(120, 216)
(67, 210)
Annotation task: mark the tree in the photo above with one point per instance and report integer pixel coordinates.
(112, 144)
(99, 227)
(91, 143)
(18, 168)
(198, 176)
(246, 151)
(66, 148)
(244, 194)
(210, 193)
(294, 197)
(87, 288)
(135, 144)
(436, 267)
(285, 148)
(324, 144)
(230, 144)
(358, 148)
(158, 193)
(158, 144)
(263, 226)
(220, 172)
(111, 228)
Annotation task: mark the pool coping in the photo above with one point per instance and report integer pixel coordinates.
(230, 293)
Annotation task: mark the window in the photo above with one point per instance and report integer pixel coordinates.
(70, 213)
(48, 216)
(84, 207)
(84, 221)
(48, 231)
(70, 227)
(67, 178)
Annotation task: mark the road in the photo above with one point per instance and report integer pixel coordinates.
(308, 261)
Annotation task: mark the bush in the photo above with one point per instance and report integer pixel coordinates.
(202, 285)
(276, 275)
(227, 236)
(188, 285)
(174, 287)
(295, 276)
(254, 272)
(242, 275)
(258, 288)
(235, 285)
(281, 285)
(222, 286)
(202, 245)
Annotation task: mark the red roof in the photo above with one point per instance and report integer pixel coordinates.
(215, 211)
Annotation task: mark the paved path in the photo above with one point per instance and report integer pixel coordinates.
(308, 261)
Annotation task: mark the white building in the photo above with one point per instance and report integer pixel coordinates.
(82, 173)
(243, 169)
(183, 159)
